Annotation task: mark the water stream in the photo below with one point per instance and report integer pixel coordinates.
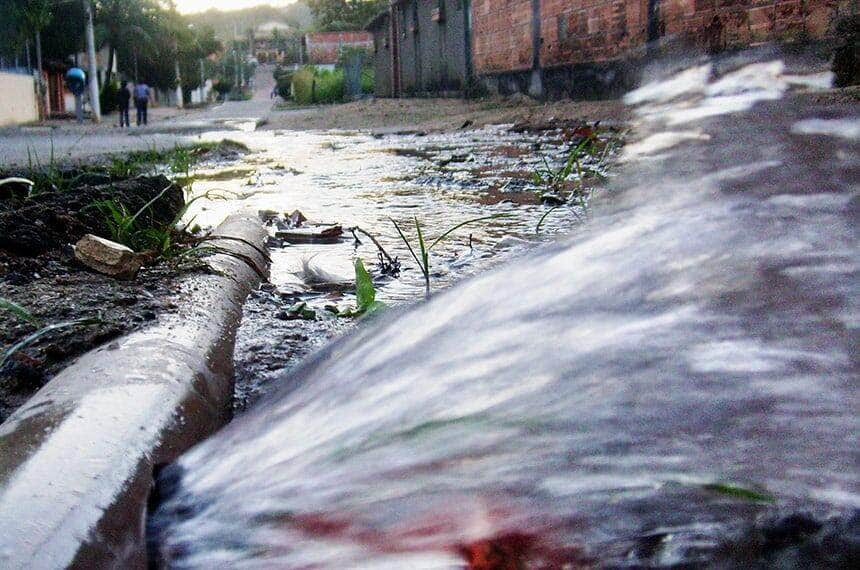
(638, 393)
(356, 179)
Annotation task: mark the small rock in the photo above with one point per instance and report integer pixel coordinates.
(552, 200)
(107, 257)
(267, 215)
(297, 218)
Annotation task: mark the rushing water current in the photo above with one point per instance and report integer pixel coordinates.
(682, 368)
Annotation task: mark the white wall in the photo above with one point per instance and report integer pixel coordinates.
(18, 103)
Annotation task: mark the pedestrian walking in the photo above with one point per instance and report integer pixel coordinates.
(123, 98)
(141, 102)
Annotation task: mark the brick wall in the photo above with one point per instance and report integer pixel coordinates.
(324, 47)
(589, 31)
(501, 35)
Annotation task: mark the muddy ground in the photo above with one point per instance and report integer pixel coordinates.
(39, 273)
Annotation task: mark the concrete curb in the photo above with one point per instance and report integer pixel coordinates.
(76, 460)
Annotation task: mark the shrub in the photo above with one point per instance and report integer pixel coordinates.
(107, 98)
(223, 87)
(318, 86)
(368, 80)
(284, 83)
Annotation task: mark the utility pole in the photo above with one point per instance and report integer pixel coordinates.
(202, 83)
(39, 54)
(94, 70)
(179, 102)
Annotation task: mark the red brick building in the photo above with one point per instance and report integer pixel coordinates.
(323, 48)
(581, 47)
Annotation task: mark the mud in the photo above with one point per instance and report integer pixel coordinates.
(38, 270)
(59, 290)
(423, 116)
(50, 220)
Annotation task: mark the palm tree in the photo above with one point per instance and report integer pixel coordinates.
(35, 15)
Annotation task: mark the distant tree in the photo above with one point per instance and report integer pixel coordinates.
(35, 15)
(125, 24)
(341, 15)
(22, 21)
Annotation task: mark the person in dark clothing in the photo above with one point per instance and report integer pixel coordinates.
(123, 98)
(141, 102)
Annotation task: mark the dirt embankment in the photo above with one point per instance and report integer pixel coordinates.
(62, 309)
(410, 115)
(38, 272)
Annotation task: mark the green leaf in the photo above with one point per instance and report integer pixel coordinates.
(302, 311)
(425, 266)
(406, 241)
(739, 492)
(364, 291)
(461, 224)
(18, 311)
(375, 307)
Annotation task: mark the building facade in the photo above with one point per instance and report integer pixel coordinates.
(576, 48)
(423, 47)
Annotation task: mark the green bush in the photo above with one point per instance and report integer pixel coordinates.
(368, 80)
(223, 87)
(107, 98)
(284, 82)
(318, 86)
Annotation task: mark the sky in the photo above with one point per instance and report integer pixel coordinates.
(188, 6)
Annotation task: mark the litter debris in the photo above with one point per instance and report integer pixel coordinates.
(314, 233)
(298, 311)
(320, 278)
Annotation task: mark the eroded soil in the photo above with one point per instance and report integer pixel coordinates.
(39, 273)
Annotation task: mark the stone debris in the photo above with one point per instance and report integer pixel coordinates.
(108, 257)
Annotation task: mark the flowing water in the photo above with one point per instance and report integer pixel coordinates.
(636, 394)
(356, 179)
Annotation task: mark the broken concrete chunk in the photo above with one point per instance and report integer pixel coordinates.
(107, 257)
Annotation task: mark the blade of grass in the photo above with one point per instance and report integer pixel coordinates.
(8, 353)
(542, 218)
(467, 222)
(406, 241)
(18, 311)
